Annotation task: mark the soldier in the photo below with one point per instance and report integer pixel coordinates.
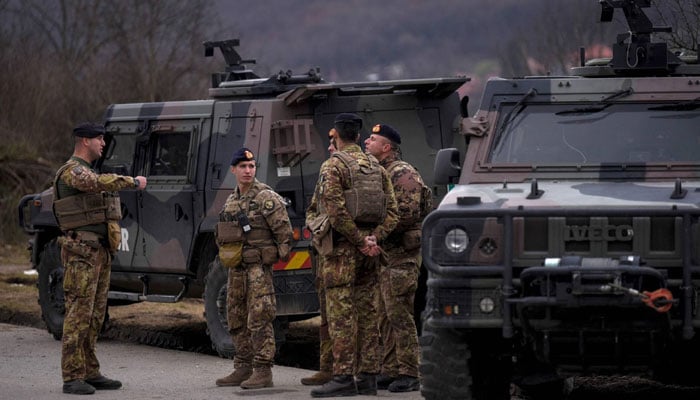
(399, 279)
(88, 211)
(356, 194)
(254, 222)
(325, 372)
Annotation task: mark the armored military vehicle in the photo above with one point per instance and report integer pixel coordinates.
(185, 147)
(570, 243)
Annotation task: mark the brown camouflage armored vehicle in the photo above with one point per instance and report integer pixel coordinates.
(570, 243)
(185, 147)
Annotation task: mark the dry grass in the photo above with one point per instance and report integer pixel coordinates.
(14, 254)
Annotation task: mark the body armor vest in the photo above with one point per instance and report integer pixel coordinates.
(80, 209)
(231, 227)
(365, 199)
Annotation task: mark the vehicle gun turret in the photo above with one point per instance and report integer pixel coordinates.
(634, 51)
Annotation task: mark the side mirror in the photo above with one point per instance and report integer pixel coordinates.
(447, 167)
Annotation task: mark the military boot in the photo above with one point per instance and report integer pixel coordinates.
(319, 378)
(366, 383)
(261, 378)
(236, 377)
(384, 380)
(340, 385)
(404, 383)
(101, 382)
(78, 386)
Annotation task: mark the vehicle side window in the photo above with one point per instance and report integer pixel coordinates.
(170, 154)
(119, 157)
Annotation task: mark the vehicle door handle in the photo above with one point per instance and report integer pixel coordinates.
(178, 212)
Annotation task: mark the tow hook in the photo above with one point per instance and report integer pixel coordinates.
(660, 300)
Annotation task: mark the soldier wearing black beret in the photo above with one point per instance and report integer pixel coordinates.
(243, 154)
(347, 122)
(88, 130)
(399, 371)
(388, 132)
(87, 208)
(253, 233)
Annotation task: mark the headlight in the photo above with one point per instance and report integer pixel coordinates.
(456, 240)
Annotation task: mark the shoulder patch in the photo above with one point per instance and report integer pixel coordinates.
(77, 170)
(269, 204)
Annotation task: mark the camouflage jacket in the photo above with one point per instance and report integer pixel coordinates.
(77, 176)
(407, 184)
(265, 209)
(334, 179)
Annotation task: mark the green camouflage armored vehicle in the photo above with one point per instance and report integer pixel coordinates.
(570, 242)
(185, 147)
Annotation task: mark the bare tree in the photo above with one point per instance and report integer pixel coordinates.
(684, 17)
(64, 61)
(157, 46)
(547, 41)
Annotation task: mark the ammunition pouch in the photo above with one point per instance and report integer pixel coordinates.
(84, 244)
(230, 254)
(258, 234)
(228, 232)
(321, 237)
(86, 209)
(269, 255)
(252, 256)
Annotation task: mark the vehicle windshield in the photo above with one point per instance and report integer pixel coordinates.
(621, 133)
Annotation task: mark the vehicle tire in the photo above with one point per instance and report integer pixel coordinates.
(50, 286)
(444, 367)
(491, 365)
(215, 310)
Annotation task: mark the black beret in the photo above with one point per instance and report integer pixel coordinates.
(388, 132)
(243, 154)
(89, 130)
(348, 117)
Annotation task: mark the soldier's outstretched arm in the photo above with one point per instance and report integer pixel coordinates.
(88, 181)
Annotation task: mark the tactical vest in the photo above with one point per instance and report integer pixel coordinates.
(365, 199)
(83, 209)
(229, 230)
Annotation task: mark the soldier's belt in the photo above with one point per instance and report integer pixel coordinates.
(92, 239)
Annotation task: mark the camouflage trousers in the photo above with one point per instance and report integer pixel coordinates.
(251, 306)
(352, 296)
(399, 281)
(325, 346)
(85, 285)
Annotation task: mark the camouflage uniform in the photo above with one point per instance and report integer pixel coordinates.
(250, 293)
(349, 277)
(399, 279)
(325, 348)
(87, 272)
